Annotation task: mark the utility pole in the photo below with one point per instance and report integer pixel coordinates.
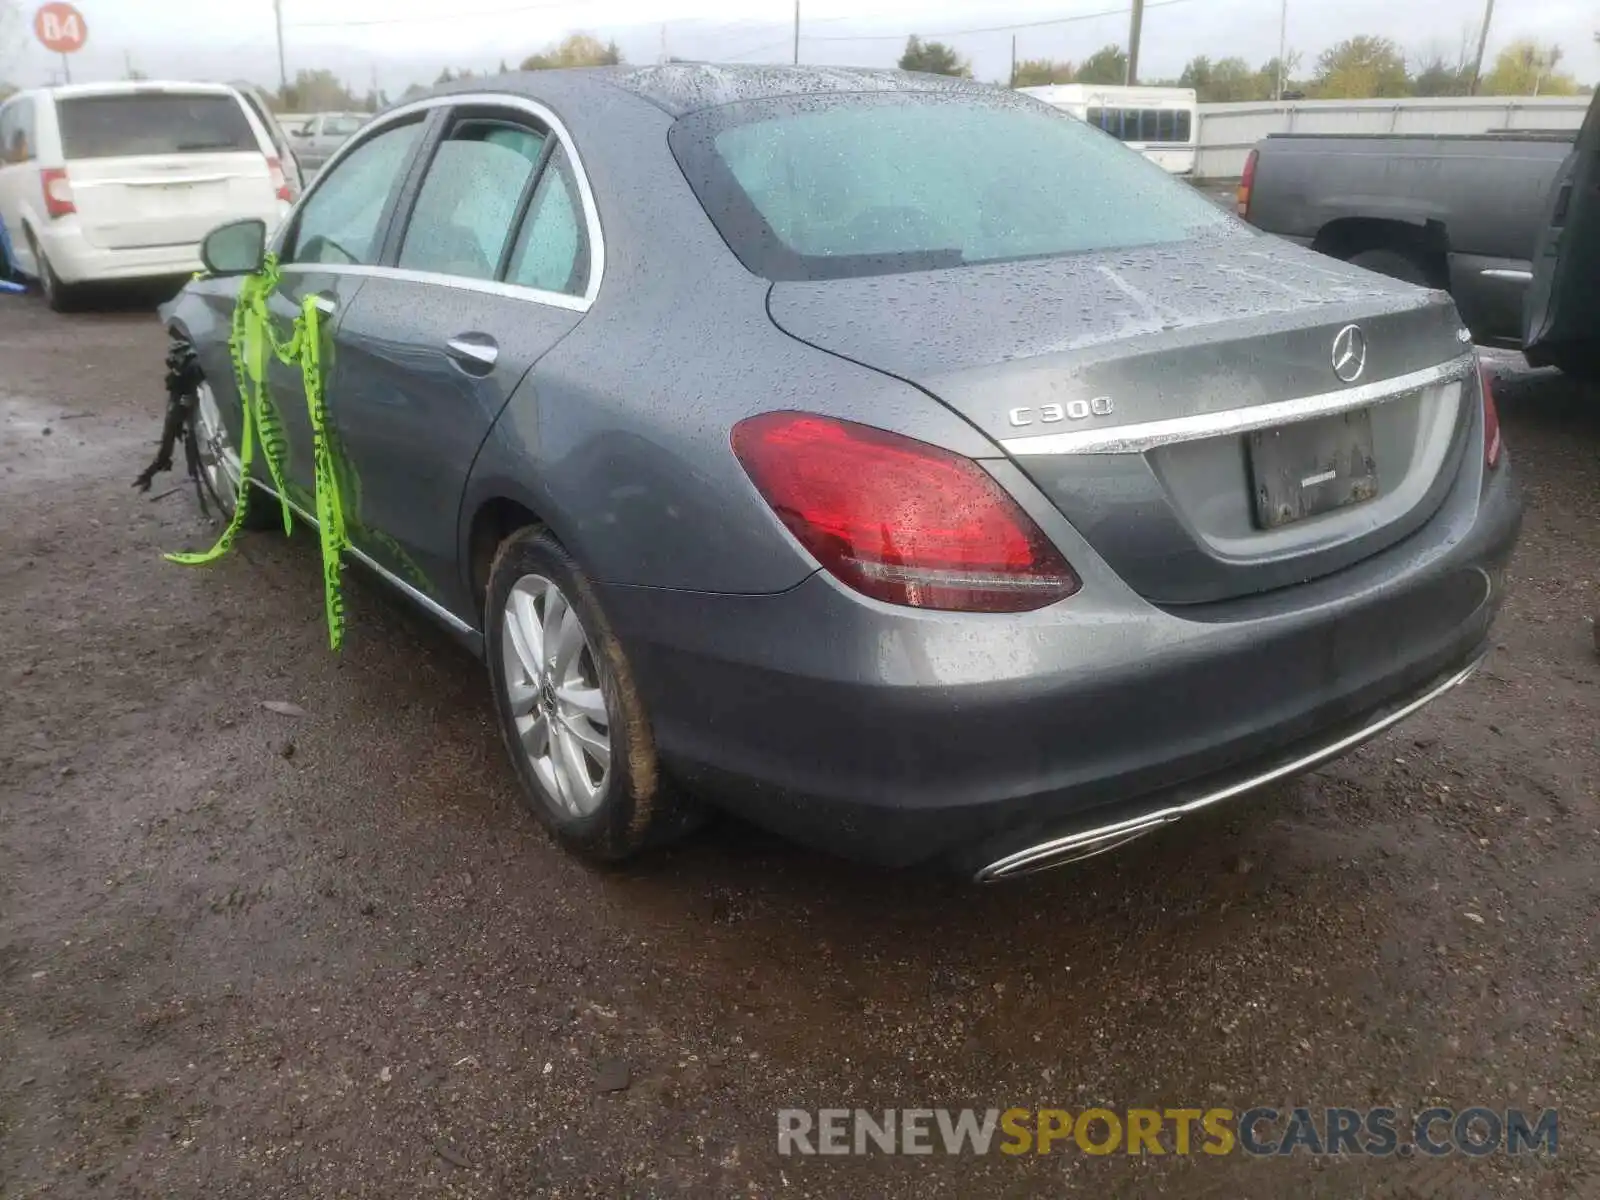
(1483, 41)
(1283, 49)
(1135, 27)
(797, 32)
(1013, 60)
(283, 73)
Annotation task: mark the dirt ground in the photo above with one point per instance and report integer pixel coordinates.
(247, 954)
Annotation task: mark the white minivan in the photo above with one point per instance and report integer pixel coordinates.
(120, 181)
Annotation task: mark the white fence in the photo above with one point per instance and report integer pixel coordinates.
(1228, 131)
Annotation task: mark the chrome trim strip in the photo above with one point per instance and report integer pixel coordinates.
(1507, 273)
(420, 598)
(1147, 435)
(460, 283)
(591, 212)
(1060, 850)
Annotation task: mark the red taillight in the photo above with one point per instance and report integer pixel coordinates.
(1492, 442)
(1246, 182)
(57, 192)
(280, 182)
(900, 520)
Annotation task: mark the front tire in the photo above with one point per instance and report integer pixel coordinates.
(221, 473)
(569, 712)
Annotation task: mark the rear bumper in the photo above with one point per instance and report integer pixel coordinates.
(900, 736)
(76, 260)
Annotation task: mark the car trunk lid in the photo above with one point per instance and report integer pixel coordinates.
(1152, 393)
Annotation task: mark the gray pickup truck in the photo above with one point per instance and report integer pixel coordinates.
(1500, 220)
(316, 140)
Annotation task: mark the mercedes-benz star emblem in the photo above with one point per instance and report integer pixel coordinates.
(1350, 353)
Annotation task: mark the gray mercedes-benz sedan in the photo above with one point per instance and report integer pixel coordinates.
(889, 459)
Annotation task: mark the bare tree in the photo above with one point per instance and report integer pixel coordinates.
(13, 33)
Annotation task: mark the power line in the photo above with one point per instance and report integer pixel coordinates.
(949, 33)
(783, 45)
(421, 19)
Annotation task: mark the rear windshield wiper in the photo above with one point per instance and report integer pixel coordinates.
(196, 147)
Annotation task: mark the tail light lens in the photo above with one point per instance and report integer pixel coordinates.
(900, 520)
(57, 187)
(1493, 444)
(280, 182)
(1247, 181)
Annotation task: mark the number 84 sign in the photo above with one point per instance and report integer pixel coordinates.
(60, 28)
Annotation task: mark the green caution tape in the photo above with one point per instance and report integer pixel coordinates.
(250, 340)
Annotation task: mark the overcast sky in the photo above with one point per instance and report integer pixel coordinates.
(396, 42)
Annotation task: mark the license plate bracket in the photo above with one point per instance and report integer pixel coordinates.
(1312, 467)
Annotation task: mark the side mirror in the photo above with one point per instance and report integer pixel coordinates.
(236, 248)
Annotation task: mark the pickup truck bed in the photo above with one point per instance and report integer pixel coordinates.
(1462, 212)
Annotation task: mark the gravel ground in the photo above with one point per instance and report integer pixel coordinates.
(248, 954)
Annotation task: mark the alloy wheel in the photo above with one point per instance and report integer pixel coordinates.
(555, 695)
(218, 460)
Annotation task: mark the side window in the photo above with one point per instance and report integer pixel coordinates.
(16, 133)
(552, 249)
(340, 220)
(468, 200)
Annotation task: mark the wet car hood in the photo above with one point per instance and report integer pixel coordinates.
(1162, 332)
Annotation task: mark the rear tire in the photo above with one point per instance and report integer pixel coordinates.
(57, 295)
(1396, 264)
(569, 712)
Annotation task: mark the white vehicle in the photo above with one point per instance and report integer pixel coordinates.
(1162, 123)
(120, 181)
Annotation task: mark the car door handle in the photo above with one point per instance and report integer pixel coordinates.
(474, 353)
(326, 304)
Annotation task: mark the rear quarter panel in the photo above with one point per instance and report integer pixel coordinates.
(618, 438)
(1488, 193)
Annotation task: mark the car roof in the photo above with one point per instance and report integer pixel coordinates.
(681, 88)
(130, 87)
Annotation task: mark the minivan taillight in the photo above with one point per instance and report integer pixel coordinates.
(1493, 444)
(57, 187)
(280, 182)
(900, 520)
(1247, 181)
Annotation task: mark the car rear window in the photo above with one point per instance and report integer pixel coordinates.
(876, 183)
(153, 123)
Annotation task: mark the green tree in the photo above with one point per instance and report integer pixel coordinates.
(1109, 65)
(1036, 72)
(1267, 77)
(933, 58)
(1434, 75)
(1231, 79)
(316, 91)
(1360, 68)
(1525, 68)
(576, 50)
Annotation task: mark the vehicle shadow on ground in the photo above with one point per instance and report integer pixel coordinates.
(109, 300)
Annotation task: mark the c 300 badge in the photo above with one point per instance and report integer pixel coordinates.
(1072, 410)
